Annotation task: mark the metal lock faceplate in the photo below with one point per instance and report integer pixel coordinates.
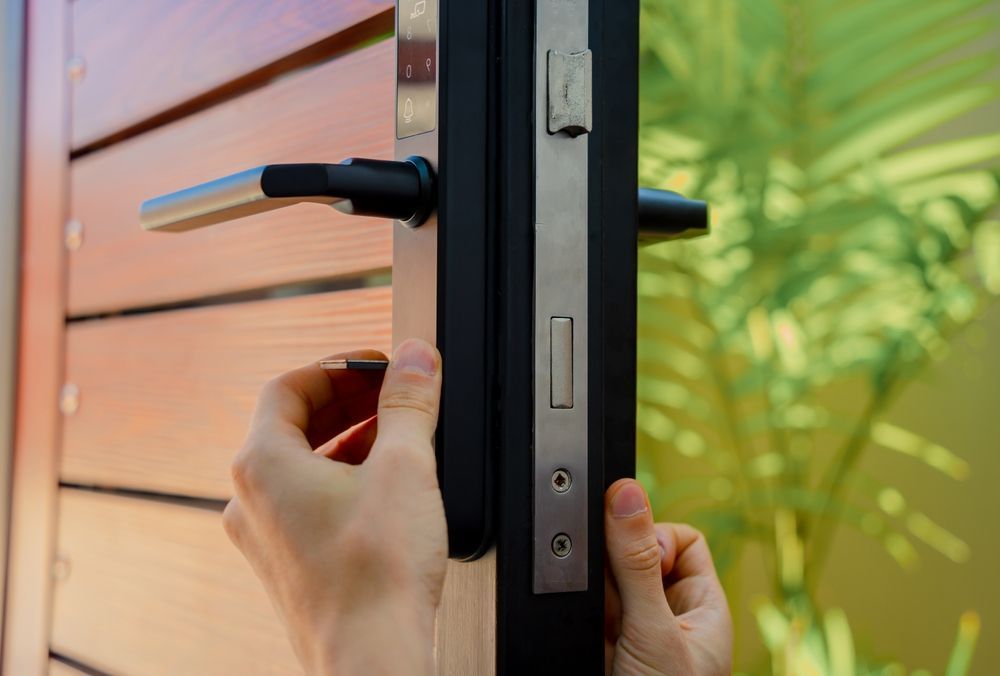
(561, 437)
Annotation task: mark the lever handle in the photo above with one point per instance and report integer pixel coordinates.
(667, 215)
(399, 190)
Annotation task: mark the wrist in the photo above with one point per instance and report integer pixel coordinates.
(387, 636)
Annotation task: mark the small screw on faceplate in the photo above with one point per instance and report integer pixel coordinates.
(73, 234)
(562, 545)
(561, 481)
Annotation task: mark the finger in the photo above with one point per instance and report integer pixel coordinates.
(686, 552)
(689, 573)
(331, 420)
(634, 555)
(408, 404)
(353, 445)
(290, 401)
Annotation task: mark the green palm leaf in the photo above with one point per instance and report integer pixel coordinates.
(851, 239)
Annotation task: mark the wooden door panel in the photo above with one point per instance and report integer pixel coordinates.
(165, 397)
(340, 109)
(152, 587)
(144, 58)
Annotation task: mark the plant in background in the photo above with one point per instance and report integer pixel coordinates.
(847, 250)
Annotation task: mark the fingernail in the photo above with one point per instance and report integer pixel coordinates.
(628, 501)
(416, 355)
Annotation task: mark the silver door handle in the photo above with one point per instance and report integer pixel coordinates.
(400, 190)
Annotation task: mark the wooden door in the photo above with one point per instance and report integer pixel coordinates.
(141, 354)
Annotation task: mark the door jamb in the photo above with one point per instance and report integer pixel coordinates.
(37, 422)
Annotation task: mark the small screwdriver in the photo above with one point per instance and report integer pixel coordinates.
(354, 364)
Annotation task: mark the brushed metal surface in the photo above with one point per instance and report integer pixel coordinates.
(217, 201)
(561, 287)
(570, 92)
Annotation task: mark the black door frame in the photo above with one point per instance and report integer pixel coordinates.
(565, 630)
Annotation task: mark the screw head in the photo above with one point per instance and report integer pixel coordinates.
(73, 234)
(561, 480)
(69, 399)
(562, 545)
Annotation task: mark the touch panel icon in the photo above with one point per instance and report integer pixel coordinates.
(418, 9)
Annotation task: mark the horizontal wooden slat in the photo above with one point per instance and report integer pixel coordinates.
(165, 397)
(338, 110)
(142, 58)
(150, 587)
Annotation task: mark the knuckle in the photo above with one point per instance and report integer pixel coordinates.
(400, 458)
(270, 388)
(232, 521)
(243, 470)
(408, 398)
(276, 389)
(413, 391)
(642, 554)
(277, 383)
(700, 542)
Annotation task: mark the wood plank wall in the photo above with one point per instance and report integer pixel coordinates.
(164, 339)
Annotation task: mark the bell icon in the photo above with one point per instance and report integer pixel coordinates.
(408, 111)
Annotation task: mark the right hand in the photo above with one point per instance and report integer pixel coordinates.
(665, 610)
(339, 512)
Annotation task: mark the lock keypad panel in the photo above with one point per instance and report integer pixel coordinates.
(416, 67)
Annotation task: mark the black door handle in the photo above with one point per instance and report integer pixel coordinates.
(400, 190)
(667, 215)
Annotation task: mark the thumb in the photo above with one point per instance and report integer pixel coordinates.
(634, 554)
(408, 403)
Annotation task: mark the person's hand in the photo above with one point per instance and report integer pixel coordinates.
(665, 611)
(341, 517)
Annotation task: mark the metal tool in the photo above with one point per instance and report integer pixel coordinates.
(354, 364)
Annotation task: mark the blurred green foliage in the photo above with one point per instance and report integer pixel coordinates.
(847, 250)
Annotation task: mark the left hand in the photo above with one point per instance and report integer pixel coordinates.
(665, 610)
(341, 517)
